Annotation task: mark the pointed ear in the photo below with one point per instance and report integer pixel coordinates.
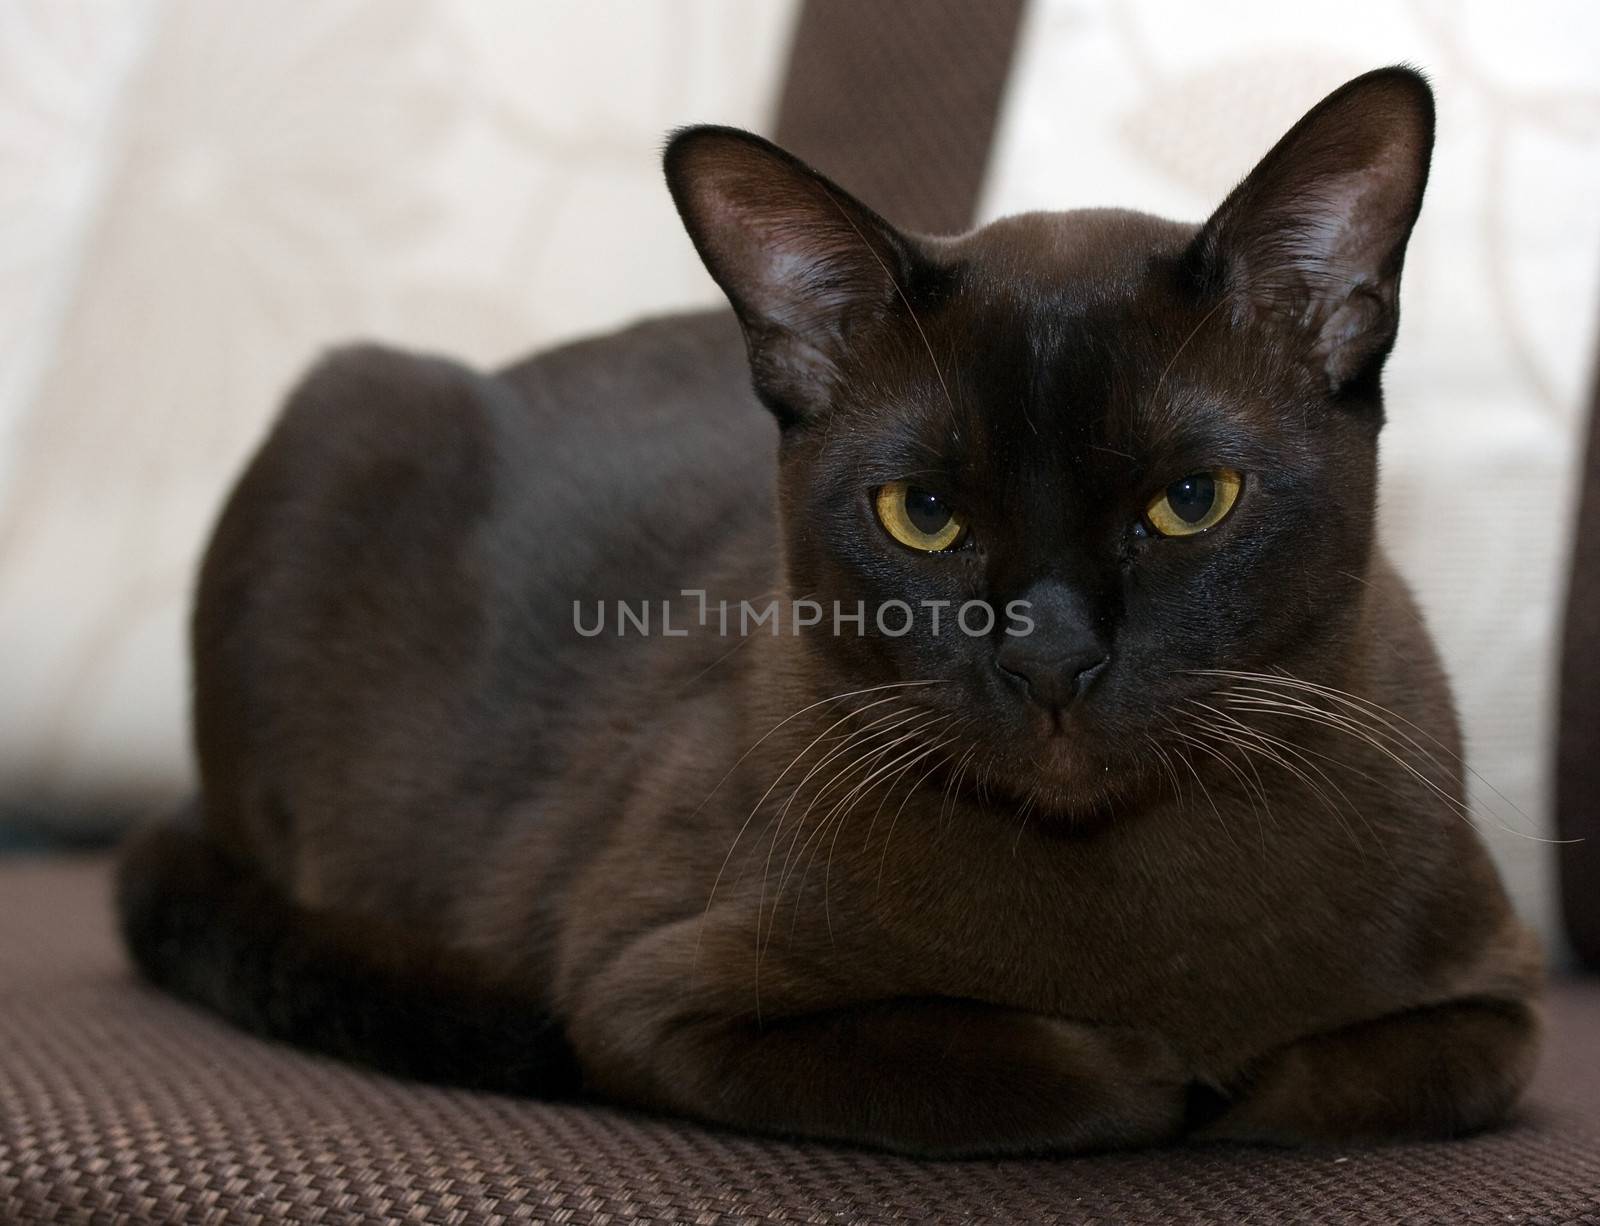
(1315, 236)
(806, 267)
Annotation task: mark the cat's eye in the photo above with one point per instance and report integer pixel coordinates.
(1194, 503)
(918, 519)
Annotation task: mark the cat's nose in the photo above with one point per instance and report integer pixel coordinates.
(1065, 648)
(1053, 676)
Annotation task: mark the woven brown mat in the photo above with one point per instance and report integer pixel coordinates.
(120, 1106)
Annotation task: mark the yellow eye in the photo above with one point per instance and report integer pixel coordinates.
(1195, 503)
(917, 519)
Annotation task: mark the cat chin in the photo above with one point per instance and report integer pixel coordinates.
(1075, 794)
(1087, 800)
(1073, 811)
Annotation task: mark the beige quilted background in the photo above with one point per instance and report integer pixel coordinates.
(196, 196)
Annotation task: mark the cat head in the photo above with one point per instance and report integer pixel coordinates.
(1160, 438)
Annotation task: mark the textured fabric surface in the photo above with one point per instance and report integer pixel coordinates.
(120, 1106)
(1578, 765)
(897, 102)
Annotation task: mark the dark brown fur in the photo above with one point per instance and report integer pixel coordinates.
(1071, 927)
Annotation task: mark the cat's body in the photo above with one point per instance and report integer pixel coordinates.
(815, 882)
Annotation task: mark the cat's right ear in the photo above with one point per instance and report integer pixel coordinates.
(808, 268)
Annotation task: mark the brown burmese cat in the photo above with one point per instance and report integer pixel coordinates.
(1190, 856)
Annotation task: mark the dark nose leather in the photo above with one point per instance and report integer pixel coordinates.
(1060, 659)
(1055, 681)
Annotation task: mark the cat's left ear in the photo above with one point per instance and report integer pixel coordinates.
(1315, 236)
(809, 269)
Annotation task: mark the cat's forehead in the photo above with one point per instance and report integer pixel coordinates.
(1090, 252)
(1065, 339)
(1046, 303)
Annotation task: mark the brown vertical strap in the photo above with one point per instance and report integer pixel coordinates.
(898, 102)
(1577, 790)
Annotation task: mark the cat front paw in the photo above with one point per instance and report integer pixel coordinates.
(1435, 1072)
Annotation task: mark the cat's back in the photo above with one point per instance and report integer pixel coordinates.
(619, 420)
(385, 611)
(642, 456)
